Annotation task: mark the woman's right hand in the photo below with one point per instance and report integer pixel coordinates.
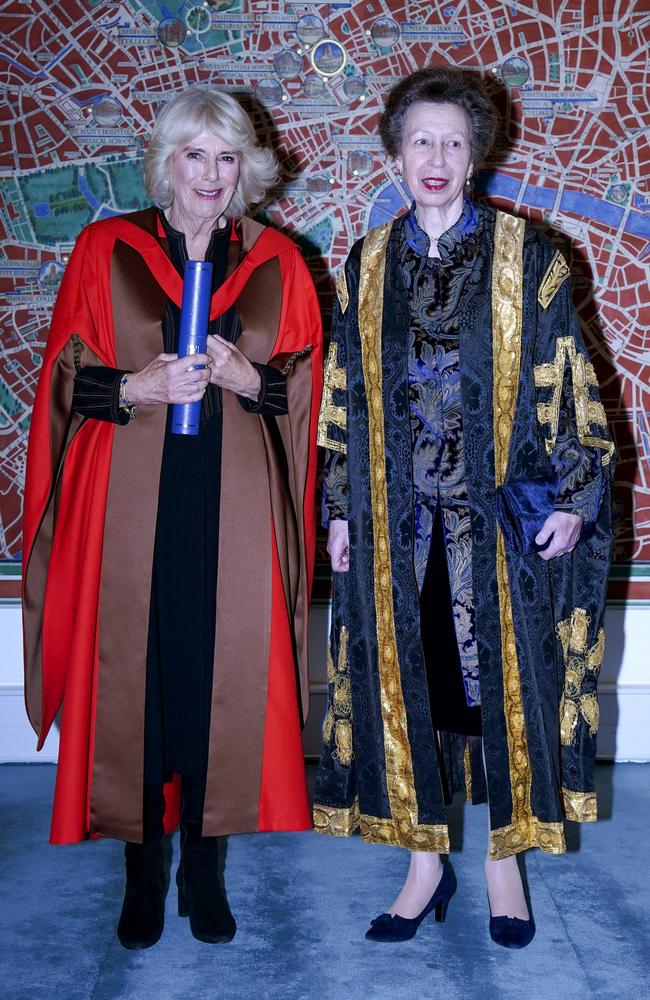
(338, 546)
(166, 379)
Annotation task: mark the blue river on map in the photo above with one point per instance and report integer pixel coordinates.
(389, 202)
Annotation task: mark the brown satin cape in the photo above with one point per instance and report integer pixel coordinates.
(89, 524)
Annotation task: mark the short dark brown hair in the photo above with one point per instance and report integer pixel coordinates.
(440, 85)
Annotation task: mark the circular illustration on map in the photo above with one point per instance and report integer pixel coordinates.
(198, 20)
(107, 111)
(310, 29)
(313, 87)
(171, 32)
(354, 87)
(385, 32)
(318, 186)
(50, 273)
(515, 72)
(328, 57)
(269, 91)
(287, 64)
(359, 163)
(619, 193)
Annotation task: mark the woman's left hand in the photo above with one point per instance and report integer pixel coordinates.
(565, 529)
(231, 369)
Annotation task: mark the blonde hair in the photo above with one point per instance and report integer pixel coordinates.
(196, 110)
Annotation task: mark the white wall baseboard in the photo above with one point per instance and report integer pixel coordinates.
(624, 688)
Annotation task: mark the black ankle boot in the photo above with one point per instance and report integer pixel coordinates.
(200, 895)
(143, 910)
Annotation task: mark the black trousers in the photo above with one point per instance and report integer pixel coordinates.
(449, 709)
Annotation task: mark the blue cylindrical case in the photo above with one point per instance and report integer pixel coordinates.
(193, 338)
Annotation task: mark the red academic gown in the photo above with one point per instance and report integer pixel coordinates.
(89, 526)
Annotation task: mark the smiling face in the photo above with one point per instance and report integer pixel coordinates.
(204, 175)
(435, 155)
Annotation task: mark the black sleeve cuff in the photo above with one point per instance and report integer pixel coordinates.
(96, 394)
(272, 397)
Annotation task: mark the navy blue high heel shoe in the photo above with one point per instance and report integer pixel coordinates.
(511, 932)
(388, 928)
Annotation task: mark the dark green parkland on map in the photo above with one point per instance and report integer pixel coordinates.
(62, 200)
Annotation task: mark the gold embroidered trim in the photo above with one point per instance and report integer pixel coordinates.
(514, 838)
(375, 830)
(342, 289)
(550, 375)
(336, 822)
(402, 828)
(331, 671)
(556, 274)
(335, 377)
(421, 837)
(579, 659)
(507, 295)
(580, 807)
(338, 720)
(468, 773)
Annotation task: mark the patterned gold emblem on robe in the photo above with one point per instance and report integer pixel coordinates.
(556, 274)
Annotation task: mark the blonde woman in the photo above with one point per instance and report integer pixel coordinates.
(141, 546)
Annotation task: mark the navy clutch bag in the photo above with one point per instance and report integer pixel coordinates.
(522, 509)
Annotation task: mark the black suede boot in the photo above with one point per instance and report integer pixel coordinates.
(200, 895)
(147, 878)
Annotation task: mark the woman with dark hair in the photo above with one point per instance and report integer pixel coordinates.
(167, 577)
(467, 494)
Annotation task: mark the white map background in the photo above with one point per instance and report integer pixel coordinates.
(81, 82)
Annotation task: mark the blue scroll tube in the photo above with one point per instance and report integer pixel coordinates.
(193, 338)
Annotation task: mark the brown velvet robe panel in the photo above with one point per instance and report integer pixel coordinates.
(129, 532)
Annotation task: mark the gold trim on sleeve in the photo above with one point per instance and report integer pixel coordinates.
(550, 375)
(335, 377)
(556, 274)
(580, 807)
(342, 289)
(402, 827)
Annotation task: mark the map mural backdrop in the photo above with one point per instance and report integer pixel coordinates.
(82, 80)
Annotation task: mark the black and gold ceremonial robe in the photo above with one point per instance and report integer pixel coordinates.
(530, 411)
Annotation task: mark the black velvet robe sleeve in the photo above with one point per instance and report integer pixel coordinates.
(569, 408)
(272, 397)
(96, 394)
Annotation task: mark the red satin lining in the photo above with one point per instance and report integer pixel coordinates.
(284, 802)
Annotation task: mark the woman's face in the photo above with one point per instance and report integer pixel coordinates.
(204, 175)
(435, 155)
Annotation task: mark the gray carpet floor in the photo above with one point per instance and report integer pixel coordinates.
(303, 903)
